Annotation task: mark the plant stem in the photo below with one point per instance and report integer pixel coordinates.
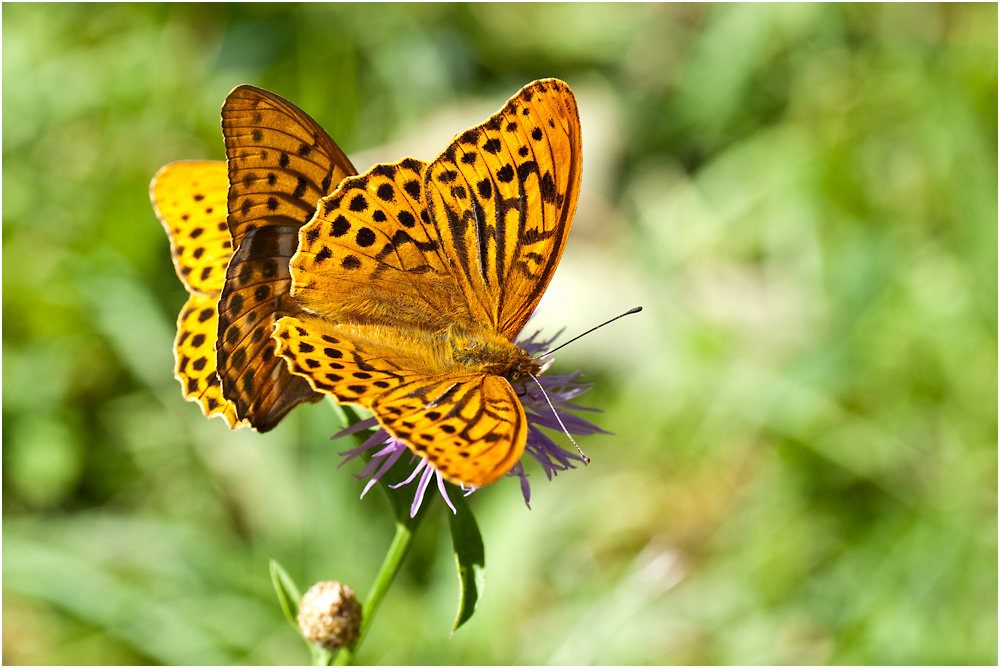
(390, 566)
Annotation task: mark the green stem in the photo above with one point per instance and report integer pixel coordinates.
(406, 527)
(390, 566)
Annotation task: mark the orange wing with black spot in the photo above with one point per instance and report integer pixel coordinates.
(502, 197)
(190, 200)
(471, 426)
(371, 253)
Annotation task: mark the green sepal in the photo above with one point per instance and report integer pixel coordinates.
(470, 557)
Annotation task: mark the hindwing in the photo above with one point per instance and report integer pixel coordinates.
(190, 200)
(470, 426)
(194, 355)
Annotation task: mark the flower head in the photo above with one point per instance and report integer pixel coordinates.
(330, 615)
(560, 391)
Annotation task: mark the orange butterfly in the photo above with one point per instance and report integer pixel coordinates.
(414, 279)
(280, 163)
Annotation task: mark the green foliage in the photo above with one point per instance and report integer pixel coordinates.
(802, 197)
(287, 591)
(470, 558)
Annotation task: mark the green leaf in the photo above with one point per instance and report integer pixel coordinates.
(470, 557)
(288, 592)
(289, 597)
(348, 416)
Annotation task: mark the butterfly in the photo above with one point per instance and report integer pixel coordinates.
(233, 226)
(415, 278)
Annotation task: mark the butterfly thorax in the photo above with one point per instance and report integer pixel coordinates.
(479, 350)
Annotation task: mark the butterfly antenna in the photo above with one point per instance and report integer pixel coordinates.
(586, 459)
(580, 336)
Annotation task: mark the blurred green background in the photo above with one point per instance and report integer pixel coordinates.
(803, 197)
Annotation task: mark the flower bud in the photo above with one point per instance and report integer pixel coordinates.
(330, 615)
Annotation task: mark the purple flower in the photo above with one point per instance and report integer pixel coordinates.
(560, 389)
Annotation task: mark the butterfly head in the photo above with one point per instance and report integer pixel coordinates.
(523, 368)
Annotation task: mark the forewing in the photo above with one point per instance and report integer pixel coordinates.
(194, 356)
(502, 197)
(280, 163)
(370, 254)
(190, 200)
(472, 428)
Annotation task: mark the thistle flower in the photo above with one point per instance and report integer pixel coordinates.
(560, 389)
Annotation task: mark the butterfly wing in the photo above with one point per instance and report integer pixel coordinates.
(280, 163)
(256, 294)
(354, 364)
(194, 355)
(470, 426)
(371, 254)
(390, 266)
(502, 198)
(190, 200)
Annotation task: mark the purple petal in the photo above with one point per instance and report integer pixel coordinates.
(418, 498)
(361, 425)
(518, 471)
(444, 492)
(372, 441)
(386, 465)
(420, 466)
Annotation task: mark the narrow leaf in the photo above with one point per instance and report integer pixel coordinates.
(470, 556)
(288, 592)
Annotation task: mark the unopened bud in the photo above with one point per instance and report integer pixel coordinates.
(330, 615)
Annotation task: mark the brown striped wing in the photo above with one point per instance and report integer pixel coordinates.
(256, 294)
(502, 198)
(190, 200)
(280, 163)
